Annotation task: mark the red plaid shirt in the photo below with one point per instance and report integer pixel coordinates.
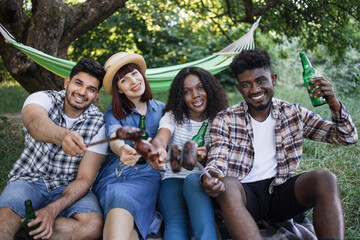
(232, 152)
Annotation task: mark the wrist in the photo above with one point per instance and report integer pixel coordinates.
(335, 105)
(60, 137)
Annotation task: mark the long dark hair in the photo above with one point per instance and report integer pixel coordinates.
(216, 96)
(121, 105)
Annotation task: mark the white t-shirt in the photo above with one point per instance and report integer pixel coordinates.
(265, 161)
(43, 99)
(180, 134)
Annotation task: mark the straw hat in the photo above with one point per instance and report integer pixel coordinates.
(115, 62)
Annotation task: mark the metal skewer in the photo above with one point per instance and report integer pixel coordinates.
(101, 141)
(206, 172)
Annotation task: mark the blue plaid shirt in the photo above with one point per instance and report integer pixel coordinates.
(47, 161)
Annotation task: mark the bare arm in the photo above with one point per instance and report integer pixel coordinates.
(116, 145)
(88, 169)
(43, 129)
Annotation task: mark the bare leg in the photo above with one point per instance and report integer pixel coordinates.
(10, 223)
(79, 226)
(119, 224)
(238, 220)
(320, 189)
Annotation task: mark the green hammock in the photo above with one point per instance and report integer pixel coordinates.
(160, 79)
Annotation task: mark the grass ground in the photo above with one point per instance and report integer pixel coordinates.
(343, 161)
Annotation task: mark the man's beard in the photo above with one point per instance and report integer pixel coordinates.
(68, 98)
(261, 107)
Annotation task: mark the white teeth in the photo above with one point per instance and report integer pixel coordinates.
(258, 97)
(79, 98)
(197, 103)
(137, 87)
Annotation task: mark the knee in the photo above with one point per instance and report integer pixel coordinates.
(234, 191)
(92, 228)
(231, 182)
(192, 182)
(325, 179)
(192, 178)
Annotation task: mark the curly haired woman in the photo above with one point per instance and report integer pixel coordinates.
(195, 97)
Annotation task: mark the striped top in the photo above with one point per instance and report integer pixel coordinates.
(232, 151)
(180, 134)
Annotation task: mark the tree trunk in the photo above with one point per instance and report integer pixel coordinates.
(51, 28)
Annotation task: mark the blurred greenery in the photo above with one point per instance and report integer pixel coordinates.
(172, 32)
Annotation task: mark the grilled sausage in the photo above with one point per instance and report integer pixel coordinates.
(129, 133)
(175, 159)
(146, 150)
(189, 155)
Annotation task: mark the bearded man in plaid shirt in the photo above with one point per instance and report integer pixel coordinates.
(256, 149)
(56, 169)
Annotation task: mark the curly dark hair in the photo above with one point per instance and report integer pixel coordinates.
(250, 59)
(91, 67)
(216, 95)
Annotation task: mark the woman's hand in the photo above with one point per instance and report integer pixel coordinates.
(202, 152)
(160, 161)
(129, 155)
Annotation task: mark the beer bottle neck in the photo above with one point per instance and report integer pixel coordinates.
(29, 211)
(305, 61)
(142, 122)
(202, 130)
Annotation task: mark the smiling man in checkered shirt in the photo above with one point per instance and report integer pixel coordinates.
(56, 169)
(256, 149)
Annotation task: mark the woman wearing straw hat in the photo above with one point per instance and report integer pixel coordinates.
(126, 186)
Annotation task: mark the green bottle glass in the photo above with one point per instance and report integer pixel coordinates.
(142, 126)
(199, 138)
(309, 73)
(144, 136)
(29, 217)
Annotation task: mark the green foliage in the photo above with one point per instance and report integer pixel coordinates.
(164, 33)
(346, 75)
(4, 74)
(142, 28)
(11, 145)
(12, 97)
(330, 23)
(341, 160)
(173, 32)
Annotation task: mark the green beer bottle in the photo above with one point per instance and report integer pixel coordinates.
(29, 217)
(309, 73)
(142, 126)
(199, 138)
(144, 136)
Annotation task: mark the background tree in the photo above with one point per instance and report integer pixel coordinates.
(168, 32)
(49, 26)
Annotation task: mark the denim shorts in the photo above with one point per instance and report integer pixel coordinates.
(15, 193)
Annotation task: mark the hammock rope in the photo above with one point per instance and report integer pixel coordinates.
(160, 79)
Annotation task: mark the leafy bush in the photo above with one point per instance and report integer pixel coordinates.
(346, 75)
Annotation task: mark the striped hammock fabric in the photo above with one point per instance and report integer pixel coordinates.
(160, 79)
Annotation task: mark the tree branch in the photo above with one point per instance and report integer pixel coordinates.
(87, 16)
